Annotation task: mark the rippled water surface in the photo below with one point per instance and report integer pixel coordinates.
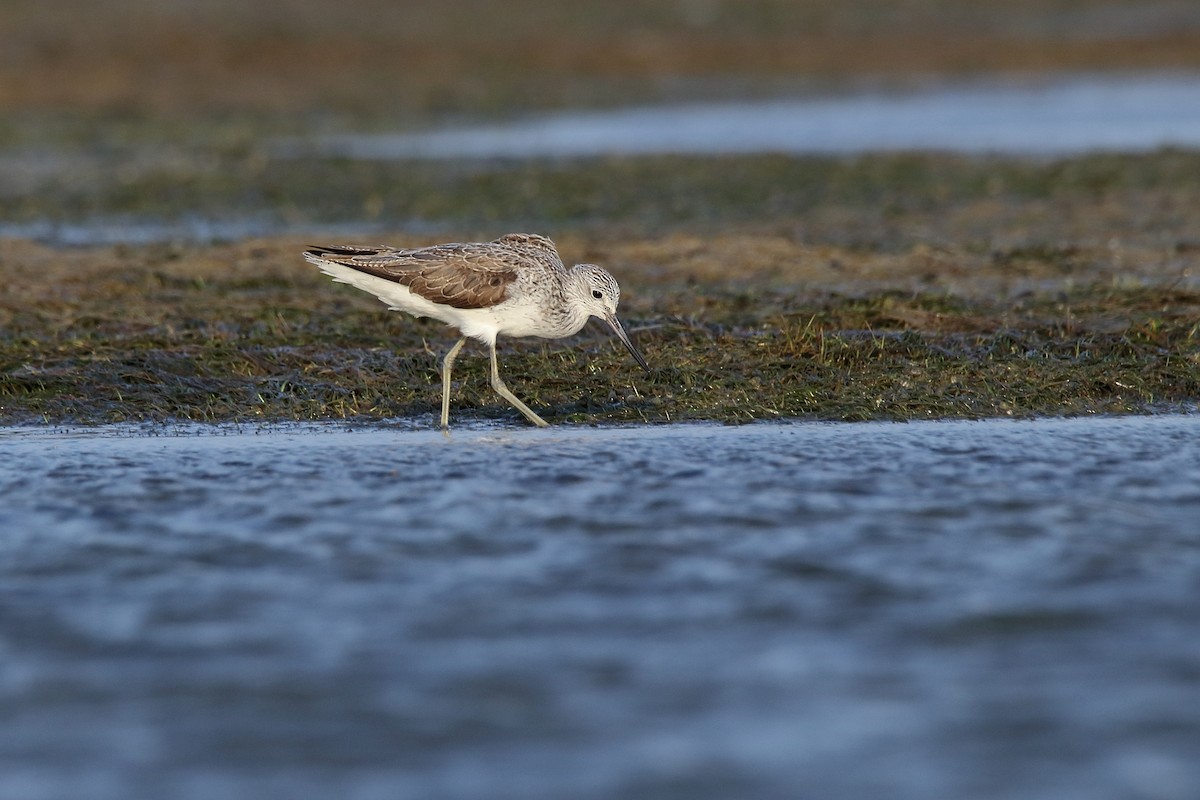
(967, 609)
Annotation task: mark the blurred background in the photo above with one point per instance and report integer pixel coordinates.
(132, 114)
(308, 61)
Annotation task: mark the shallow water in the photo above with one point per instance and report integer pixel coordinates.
(132, 230)
(1055, 117)
(964, 609)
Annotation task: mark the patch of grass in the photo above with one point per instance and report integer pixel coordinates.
(877, 287)
(184, 336)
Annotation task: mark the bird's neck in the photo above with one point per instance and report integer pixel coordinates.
(574, 315)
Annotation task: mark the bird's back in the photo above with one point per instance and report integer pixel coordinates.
(503, 281)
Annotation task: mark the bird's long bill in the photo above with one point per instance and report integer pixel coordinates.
(624, 337)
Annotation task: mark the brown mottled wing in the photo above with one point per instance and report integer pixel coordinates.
(456, 275)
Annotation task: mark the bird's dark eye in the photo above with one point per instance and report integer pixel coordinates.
(596, 293)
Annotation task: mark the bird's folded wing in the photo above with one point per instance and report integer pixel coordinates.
(460, 276)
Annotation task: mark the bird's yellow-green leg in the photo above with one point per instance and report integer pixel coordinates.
(503, 391)
(447, 363)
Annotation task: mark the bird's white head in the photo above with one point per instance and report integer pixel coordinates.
(596, 292)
